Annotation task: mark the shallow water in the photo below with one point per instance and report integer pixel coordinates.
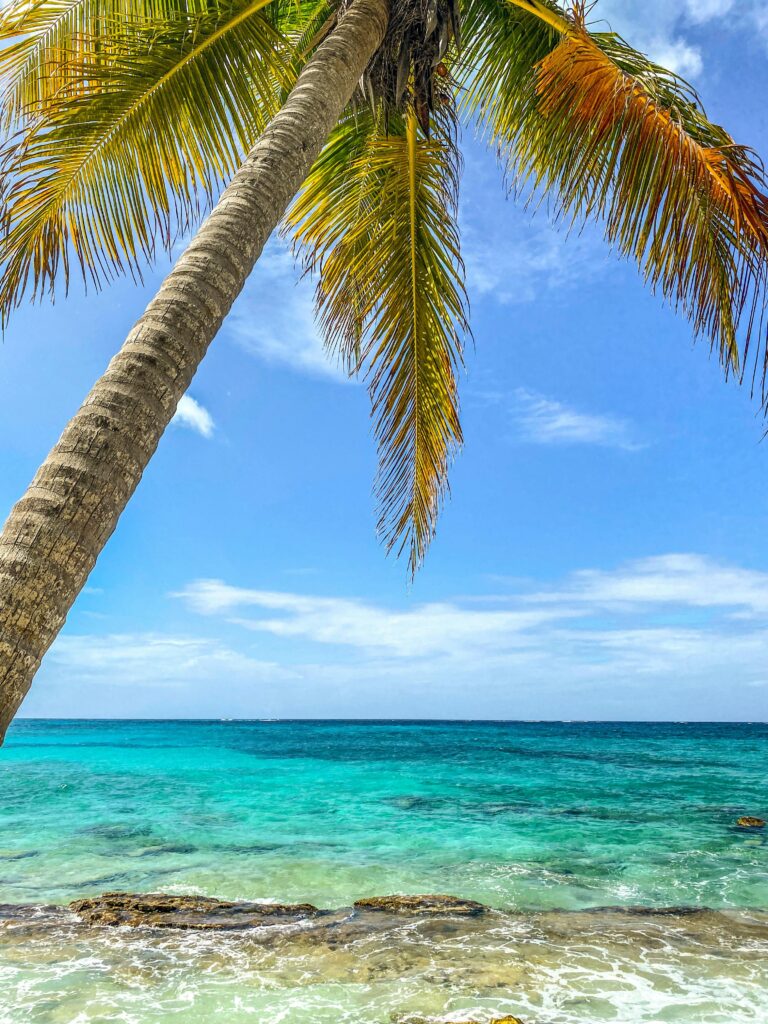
(540, 821)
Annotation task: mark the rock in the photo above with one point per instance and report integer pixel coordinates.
(158, 910)
(681, 911)
(435, 1020)
(748, 822)
(432, 906)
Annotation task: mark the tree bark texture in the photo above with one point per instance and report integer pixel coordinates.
(54, 534)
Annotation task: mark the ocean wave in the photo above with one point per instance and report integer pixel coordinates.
(630, 965)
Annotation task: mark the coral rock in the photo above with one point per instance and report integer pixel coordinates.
(158, 910)
(421, 905)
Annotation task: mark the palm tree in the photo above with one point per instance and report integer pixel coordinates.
(123, 119)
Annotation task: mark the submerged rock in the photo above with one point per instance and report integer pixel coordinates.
(164, 848)
(749, 822)
(432, 905)
(159, 910)
(641, 911)
(116, 831)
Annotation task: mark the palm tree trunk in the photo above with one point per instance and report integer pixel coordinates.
(55, 533)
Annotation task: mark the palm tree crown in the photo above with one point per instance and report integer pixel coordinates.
(122, 119)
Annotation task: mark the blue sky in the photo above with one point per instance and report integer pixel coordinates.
(604, 551)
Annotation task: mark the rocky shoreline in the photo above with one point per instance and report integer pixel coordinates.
(437, 912)
(161, 910)
(413, 951)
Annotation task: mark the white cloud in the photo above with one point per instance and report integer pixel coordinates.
(545, 421)
(657, 27)
(677, 55)
(647, 638)
(676, 636)
(274, 319)
(438, 628)
(660, 27)
(705, 10)
(156, 659)
(686, 580)
(191, 414)
(156, 675)
(514, 263)
(682, 586)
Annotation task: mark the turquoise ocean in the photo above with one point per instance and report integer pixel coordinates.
(577, 835)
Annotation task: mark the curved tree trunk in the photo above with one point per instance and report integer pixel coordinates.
(55, 533)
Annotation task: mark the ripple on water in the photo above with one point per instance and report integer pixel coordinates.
(518, 816)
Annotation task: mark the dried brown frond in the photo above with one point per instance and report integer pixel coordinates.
(693, 214)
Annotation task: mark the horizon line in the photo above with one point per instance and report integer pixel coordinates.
(374, 721)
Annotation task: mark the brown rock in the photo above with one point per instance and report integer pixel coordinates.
(433, 905)
(432, 1020)
(748, 822)
(158, 910)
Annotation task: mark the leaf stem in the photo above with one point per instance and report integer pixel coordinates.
(411, 141)
(556, 21)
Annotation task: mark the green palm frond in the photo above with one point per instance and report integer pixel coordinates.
(332, 218)
(503, 45)
(584, 118)
(155, 115)
(376, 219)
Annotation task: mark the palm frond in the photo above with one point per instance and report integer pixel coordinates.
(503, 45)
(376, 219)
(611, 135)
(331, 220)
(154, 117)
(48, 45)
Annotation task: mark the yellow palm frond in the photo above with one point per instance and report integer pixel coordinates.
(48, 44)
(155, 115)
(377, 220)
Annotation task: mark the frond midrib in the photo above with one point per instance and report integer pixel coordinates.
(411, 130)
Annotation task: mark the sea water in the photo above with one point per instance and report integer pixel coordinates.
(556, 826)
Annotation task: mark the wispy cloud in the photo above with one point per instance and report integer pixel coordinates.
(685, 580)
(676, 635)
(157, 675)
(194, 416)
(158, 659)
(687, 587)
(673, 623)
(541, 420)
(658, 28)
(677, 56)
(274, 320)
(438, 628)
(510, 255)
